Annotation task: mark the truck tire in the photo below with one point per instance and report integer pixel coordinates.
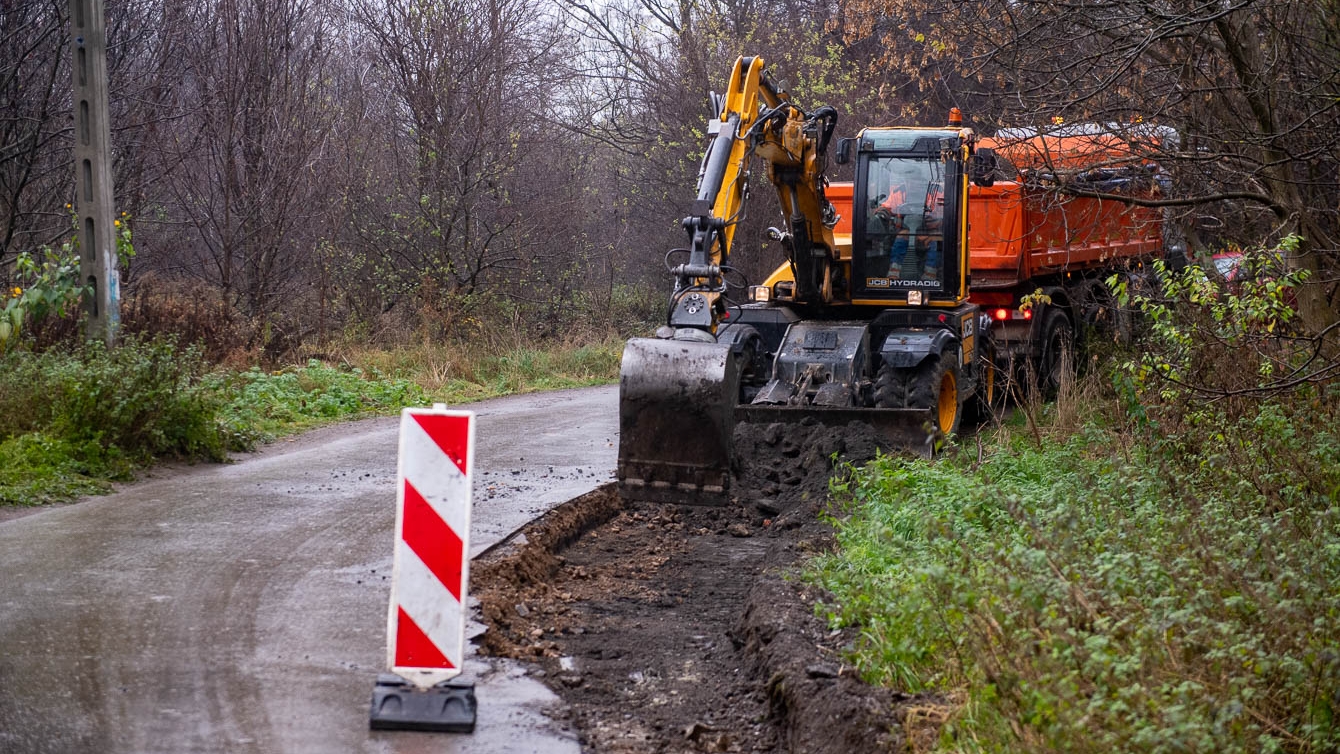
(1103, 318)
(1058, 352)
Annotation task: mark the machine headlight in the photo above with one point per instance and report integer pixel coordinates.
(760, 293)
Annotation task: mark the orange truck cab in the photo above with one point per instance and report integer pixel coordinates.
(1039, 257)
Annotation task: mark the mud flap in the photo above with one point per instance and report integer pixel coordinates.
(907, 430)
(676, 417)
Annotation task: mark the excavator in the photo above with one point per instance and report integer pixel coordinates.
(868, 319)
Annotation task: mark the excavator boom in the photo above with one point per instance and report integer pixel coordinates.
(678, 392)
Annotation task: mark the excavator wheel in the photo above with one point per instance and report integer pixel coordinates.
(891, 387)
(935, 386)
(754, 360)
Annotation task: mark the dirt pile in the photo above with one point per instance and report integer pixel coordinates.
(779, 466)
(683, 629)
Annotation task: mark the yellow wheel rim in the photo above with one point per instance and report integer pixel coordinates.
(948, 401)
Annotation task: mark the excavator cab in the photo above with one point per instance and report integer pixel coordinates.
(907, 231)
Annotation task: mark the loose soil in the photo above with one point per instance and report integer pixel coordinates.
(685, 629)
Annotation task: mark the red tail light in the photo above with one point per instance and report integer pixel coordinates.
(1003, 315)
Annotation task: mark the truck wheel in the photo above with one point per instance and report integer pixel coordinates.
(935, 386)
(1103, 317)
(1058, 348)
(990, 395)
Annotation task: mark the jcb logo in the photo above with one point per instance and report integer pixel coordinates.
(878, 283)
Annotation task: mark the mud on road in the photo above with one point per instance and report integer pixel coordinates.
(684, 629)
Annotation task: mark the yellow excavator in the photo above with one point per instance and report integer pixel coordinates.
(867, 320)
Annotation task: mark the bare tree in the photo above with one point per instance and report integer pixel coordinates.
(34, 126)
(470, 86)
(247, 150)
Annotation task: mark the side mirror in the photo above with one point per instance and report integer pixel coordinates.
(843, 155)
(983, 166)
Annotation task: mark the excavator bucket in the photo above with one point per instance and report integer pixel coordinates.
(676, 417)
(678, 409)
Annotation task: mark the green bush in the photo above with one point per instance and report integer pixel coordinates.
(1094, 594)
(143, 398)
(36, 468)
(70, 420)
(258, 404)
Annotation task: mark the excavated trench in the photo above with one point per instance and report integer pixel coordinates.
(683, 629)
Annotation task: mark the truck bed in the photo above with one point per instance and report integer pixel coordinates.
(1018, 233)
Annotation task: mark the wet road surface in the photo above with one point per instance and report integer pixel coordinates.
(242, 607)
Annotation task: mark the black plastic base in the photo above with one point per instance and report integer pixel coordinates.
(399, 705)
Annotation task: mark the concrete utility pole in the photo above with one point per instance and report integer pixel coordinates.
(93, 170)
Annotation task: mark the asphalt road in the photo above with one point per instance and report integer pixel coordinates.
(242, 607)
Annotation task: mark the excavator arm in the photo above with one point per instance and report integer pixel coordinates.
(755, 118)
(678, 392)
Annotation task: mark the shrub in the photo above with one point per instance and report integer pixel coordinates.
(37, 468)
(72, 419)
(143, 398)
(259, 404)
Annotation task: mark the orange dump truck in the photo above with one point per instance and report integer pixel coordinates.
(1026, 238)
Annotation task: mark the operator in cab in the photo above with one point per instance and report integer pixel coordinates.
(908, 229)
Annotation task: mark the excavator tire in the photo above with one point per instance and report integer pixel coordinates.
(932, 386)
(891, 387)
(935, 386)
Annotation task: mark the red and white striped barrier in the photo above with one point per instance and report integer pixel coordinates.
(425, 627)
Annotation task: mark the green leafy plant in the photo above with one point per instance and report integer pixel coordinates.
(72, 419)
(47, 284)
(1194, 316)
(257, 405)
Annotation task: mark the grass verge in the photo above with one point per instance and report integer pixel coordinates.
(73, 421)
(1164, 590)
